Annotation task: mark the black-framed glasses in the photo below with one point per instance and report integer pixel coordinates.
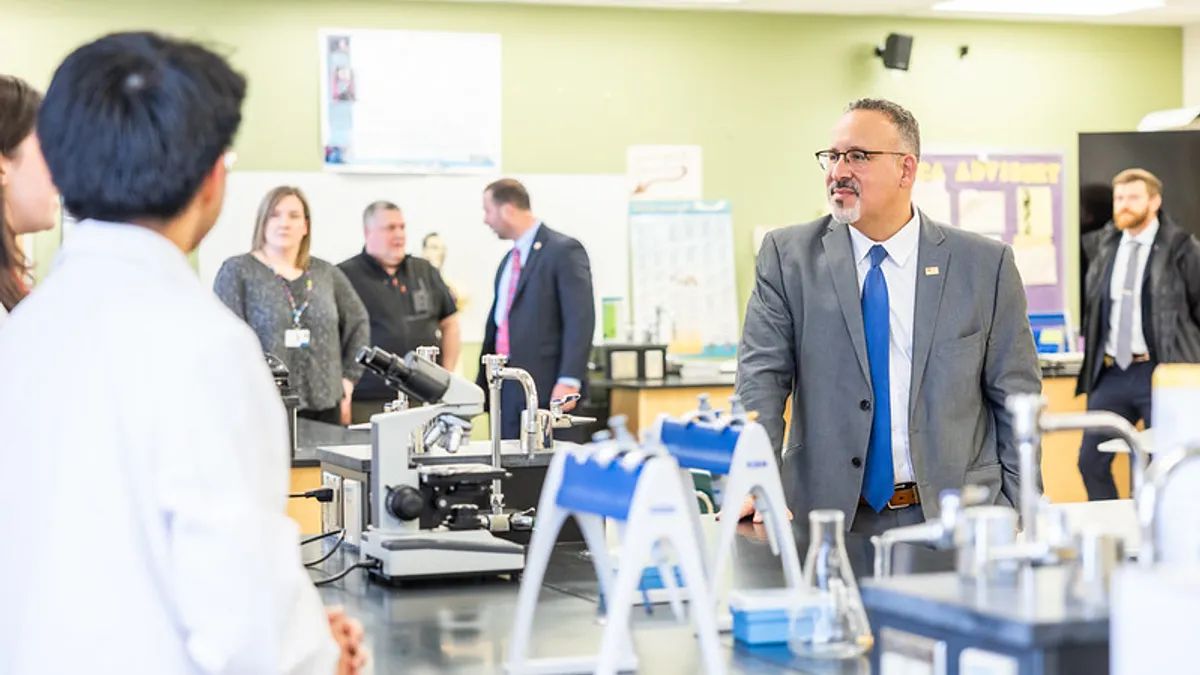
(856, 158)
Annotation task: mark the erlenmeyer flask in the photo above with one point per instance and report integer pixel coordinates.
(828, 621)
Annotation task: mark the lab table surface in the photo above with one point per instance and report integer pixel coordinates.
(464, 627)
(311, 434)
(675, 381)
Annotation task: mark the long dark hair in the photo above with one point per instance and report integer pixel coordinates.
(18, 114)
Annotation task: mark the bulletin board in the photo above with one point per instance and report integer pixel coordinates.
(420, 102)
(1010, 197)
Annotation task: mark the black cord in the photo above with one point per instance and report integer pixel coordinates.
(324, 495)
(362, 564)
(336, 544)
(319, 537)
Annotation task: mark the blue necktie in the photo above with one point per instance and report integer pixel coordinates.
(879, 482)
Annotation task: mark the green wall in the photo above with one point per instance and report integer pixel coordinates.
(759, 92)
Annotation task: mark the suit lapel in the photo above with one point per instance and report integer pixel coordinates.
(840, 256)
(534, 257)
(932, 265)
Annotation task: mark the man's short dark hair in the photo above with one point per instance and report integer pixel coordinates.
(133, 123)
(905, 122)
(509, 191)
(376, 207)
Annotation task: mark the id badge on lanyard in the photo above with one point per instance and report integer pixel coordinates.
(421, 300)
(297, 337)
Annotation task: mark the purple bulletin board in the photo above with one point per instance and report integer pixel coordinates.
(1015, 198)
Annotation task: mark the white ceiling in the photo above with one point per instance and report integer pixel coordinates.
(1176, 12)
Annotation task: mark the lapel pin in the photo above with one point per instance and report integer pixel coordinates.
(537, 245)
(931, 271)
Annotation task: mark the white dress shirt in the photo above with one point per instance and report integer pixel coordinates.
(146, 451)
(1115, 288)
(900, 272)
(524, 244)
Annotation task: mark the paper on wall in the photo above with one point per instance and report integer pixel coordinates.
(933, 199)
(664, 172)
(1038, 264)
(981, 211)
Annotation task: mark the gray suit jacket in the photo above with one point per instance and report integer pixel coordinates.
(972, 348)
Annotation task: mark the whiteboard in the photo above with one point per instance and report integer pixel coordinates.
(410, 101)
(591, 208)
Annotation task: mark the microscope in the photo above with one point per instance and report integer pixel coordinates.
(291, 400)
(428, 519)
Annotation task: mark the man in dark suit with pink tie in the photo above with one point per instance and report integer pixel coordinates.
(544, 313)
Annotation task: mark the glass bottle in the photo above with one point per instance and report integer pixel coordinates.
(828, 621)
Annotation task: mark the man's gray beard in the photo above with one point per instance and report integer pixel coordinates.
(847, 216)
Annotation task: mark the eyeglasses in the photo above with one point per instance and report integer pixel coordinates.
(856, 158)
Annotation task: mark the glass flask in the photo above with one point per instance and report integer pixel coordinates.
(828, 621)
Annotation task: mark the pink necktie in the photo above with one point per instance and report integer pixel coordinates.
(502, 336)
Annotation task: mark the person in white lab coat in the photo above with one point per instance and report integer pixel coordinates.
(145, 516)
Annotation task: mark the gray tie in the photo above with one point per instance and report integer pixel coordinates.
(1125, 325)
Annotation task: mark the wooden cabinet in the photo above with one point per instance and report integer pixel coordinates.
(1060, 450)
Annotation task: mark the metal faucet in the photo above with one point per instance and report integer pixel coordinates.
(939, 534)
(1029, 421)
(1149, 500)
(496, 372)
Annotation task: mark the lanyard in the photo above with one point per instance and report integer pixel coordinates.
(297, 312)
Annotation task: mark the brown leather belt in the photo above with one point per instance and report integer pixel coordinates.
(1110, 361)
(904, 496)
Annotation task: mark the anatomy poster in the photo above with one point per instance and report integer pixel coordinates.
(1015, 198)
(664, 173)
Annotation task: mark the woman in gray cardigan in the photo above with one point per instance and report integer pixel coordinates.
(303, 309)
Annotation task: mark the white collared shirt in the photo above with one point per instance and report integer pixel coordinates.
(146, 446)
(1116, 287)
(900, 272)
(523, 244)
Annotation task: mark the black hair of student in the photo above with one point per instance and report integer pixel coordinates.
(133, 123)
(18, 115)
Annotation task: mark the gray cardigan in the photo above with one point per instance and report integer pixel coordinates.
(336, 319)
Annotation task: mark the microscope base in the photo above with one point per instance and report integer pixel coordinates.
(425, 554)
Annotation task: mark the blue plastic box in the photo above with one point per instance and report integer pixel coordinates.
(762, 617)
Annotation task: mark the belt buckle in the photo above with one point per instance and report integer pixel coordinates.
(897, 507)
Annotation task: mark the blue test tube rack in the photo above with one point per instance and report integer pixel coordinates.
(643, 491)
(732, 446)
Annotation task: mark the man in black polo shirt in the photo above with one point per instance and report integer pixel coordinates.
(409, 303)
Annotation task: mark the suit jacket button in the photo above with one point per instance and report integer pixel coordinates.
(864, 404)
(856, 462)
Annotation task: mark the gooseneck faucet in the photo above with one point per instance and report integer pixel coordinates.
(938, 534)
(1149, 500)
(496, 373)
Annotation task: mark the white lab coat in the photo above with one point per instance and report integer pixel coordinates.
(144, 449)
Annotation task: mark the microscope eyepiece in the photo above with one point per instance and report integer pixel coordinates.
(420, 378)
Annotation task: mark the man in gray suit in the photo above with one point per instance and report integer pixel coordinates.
(898, 339)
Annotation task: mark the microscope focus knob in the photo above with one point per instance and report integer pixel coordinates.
(405, 502)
